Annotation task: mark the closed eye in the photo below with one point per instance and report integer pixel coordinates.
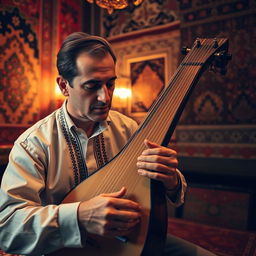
(92, 85)
(111, 82)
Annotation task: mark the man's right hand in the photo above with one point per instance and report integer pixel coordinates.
(109, 214)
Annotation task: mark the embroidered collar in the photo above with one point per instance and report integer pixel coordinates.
(75, 149)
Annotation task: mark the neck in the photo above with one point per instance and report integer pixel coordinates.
(87, 126)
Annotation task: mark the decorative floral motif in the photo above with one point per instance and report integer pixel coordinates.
(69, 18)
(231, 98)
(13, 20)
(221, 101)
(19, 69)
(30, 7)
(13, 82)
(208, 107)
(148, 14)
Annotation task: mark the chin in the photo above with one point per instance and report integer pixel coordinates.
(100, 118)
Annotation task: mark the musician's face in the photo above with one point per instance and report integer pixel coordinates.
(90, 97)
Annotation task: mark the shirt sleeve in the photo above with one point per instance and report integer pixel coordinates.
(177, 198)
(28, 224)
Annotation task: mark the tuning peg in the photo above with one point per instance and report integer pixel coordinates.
(185, 50)
(221, 60)
(212, 68)
(215, 43)
(223, 57)
(198, 43)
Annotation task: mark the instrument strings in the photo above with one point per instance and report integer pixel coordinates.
(155, 125)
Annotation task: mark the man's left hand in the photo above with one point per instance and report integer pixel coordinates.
(159, 163)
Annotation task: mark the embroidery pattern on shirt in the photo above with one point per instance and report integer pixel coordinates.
(100, 150)
(81, 162)
(75, 151)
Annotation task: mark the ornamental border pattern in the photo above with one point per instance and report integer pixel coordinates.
(221, 135)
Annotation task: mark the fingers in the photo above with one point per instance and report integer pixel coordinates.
(157, 155)
(117, 194)
(170, 181)
(159, 163)
(118, 228)
(155, 149)
(158, 158)
(154, 175)
(114, 200)
(150, 144)
(109, 214)
(122, 215)
(120, 222)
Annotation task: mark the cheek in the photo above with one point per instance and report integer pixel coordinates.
(87, 102)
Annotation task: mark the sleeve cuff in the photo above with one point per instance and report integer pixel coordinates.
(177, 198)
(69, 227)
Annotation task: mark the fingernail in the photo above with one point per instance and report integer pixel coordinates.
(140, 171)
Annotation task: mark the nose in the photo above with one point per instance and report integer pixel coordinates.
(103, 94)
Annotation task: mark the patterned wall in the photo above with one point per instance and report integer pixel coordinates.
(30, 35)
(137, 47)
(69, 18)
(19, 67)
(149, 14)
(220, 118)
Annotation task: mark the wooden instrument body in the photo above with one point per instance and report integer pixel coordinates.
(149, 237)
(110, 178)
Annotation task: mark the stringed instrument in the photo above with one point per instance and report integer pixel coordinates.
(149, 236)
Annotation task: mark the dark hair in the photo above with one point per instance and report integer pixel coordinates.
(73, 45)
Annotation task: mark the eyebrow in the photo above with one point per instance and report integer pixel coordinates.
(98, 80)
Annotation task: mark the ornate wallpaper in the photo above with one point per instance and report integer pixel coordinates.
(69, 18)
(148, 14)
(229, 99)
(30, 35)
(144, 48)
(19, 67)
(220, 118)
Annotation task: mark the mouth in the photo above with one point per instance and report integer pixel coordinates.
(101, 109)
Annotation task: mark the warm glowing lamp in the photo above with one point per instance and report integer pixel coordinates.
(110, 5)
(122, 94)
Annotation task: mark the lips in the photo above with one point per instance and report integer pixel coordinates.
(101, 109)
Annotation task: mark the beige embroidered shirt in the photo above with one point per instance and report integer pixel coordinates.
(46, 162)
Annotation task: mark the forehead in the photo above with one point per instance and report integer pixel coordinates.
(87, 64)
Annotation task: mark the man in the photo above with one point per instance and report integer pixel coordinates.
(57, 153)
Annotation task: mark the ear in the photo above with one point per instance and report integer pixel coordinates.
(63, 85)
